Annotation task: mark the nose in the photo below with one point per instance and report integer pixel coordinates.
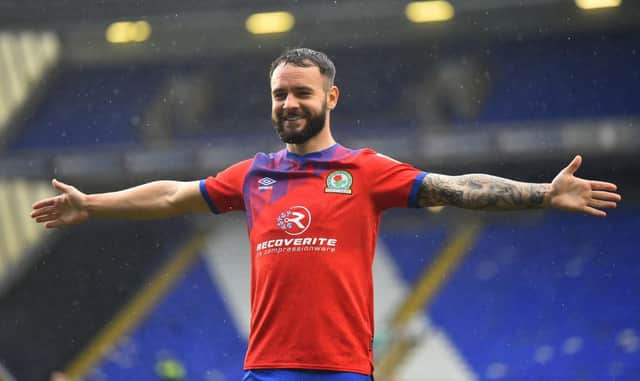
(291, 102)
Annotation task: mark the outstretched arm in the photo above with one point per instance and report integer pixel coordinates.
(485, 192)
(158, 199)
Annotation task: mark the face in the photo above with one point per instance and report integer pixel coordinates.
(300, 102)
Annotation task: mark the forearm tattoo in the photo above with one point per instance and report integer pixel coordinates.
(478, 191)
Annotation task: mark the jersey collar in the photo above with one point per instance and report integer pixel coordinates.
(313, 155)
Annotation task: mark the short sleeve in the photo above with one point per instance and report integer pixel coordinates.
(223, 193)
(392, 183)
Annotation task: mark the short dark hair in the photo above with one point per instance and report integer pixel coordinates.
(305, 57)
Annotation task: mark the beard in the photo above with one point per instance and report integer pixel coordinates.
(314, 123)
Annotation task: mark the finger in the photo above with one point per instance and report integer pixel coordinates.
(53, 224)
(48, 204)
(47, 218)
(40, 212)
(602, 185)
(45, 210)
(602, 204)
(574, 165)
(57, 376)
(594, 211)
(606, 196)
(43, 203)
(44, 215)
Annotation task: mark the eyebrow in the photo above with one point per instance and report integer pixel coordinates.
(295, 88)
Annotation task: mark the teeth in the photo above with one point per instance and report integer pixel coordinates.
(293, 117)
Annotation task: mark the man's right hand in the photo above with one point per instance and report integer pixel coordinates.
(67, 208)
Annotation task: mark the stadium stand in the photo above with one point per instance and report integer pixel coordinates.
(87, 108)
(19, 232)
(78, 283)
(192, 325)
(26, 59)
(578, 77)
(594, 77)
(542, 299)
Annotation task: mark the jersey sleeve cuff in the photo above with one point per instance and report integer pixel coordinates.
(413, 195)
(207, 198)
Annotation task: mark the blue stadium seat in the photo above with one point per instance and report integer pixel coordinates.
(550, 300)
(579, 77)
(86, 108)
(191, 325)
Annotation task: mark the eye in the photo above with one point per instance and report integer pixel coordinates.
(279, 95)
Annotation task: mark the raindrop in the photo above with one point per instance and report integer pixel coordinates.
(572, 345)
(496, 371)
(616, 368)
(486, 270)
(543, 354)
(628, 341)
(574, 268)
(215, 375)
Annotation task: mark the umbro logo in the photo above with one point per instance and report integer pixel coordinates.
(266, 183)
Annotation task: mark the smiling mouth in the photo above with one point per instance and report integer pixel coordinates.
(292, 118)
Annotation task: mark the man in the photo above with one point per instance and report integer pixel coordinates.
(312, 211)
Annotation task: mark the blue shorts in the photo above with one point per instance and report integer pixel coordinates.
(302, 375)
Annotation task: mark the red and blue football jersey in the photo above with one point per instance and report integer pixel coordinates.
(312, 222)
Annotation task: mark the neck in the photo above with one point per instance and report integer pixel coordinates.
(318, 143)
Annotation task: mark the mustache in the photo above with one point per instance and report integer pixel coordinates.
(300, 112)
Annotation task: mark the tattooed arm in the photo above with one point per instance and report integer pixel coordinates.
(478, 191)
(485, 192)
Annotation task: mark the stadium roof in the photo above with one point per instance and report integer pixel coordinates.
(379, 20)
(217, 26)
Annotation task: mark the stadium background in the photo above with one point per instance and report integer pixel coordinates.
(114, 93)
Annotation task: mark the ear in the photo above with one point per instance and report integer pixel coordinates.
(332, 97)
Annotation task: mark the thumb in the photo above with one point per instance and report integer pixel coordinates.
(59, 185)
(574, 165)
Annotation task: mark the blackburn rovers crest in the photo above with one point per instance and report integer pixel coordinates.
(339, 182)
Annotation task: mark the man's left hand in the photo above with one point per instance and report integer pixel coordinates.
(574, 194)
